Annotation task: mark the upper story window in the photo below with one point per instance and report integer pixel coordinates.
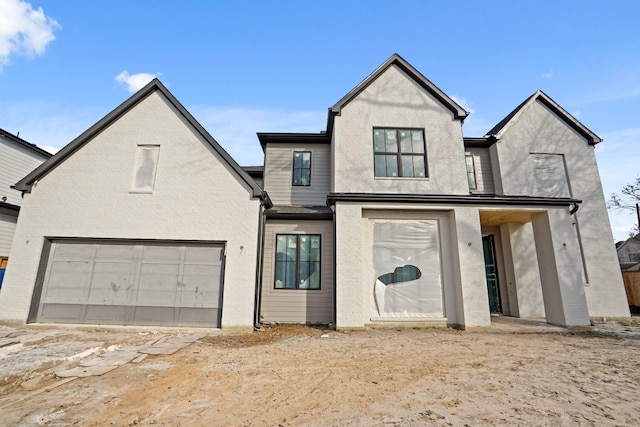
(471, 172)
(399, 153)
(301, 168)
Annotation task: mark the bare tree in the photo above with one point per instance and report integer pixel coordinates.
(628, 200)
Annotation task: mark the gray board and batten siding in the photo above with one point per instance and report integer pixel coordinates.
(7, 230)
(130, 283)
(17, 159)
(484, 173)
(278, 174)
(298, 305)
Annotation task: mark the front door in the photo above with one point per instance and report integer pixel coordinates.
(491, 271)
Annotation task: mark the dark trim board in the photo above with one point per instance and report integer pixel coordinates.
(9, 209)
(481, 142)
(293, 138)
(300, 213)
(26, 144)
(99, 240)
(332, 198)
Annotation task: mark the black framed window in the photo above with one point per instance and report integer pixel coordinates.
(302, 168)
(297, 261)
(399, 153)
(471, 172)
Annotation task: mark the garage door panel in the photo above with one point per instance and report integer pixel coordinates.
(133, 283)
(170, 253)
(68, 281)
(105, 314)
(206, 254)
(111, 283)
(158, 285)
(149, 315)
(77, 250)
(196, 288)
(115, 251)
(65, 313)
(194, 316)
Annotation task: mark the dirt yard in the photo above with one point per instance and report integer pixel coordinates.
(297, 375)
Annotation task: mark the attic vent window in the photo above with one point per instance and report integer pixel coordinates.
(144, 169)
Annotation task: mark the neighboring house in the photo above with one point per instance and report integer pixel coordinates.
(629, 258)
(629, 252)
(17, 158)
(389, 216)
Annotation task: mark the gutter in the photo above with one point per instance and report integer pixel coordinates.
(574, 208)
(451, 199)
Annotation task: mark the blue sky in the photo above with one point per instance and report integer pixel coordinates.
(243, 67)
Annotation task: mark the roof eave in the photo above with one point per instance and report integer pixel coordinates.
(546, 100)
(459, 113)
(25, 184)
(9, 209)
(26, 144)
(292, 137)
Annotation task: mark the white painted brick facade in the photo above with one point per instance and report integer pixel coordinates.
(538, 130)
(196, 197)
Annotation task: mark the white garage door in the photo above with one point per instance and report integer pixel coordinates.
(132, 283)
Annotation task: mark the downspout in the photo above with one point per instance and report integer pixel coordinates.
(335, 278)
(259, 261)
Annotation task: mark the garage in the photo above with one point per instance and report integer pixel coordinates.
(130, 283)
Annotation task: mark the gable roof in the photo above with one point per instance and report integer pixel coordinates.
(16, 139)
(397, 60)
(630, 240)
(545, 99)
(155, 85)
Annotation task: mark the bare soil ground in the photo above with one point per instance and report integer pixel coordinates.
(299, 375)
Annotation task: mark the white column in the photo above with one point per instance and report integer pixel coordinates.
(471, 282)
(560, 268)
(523, 276)
(350, 310)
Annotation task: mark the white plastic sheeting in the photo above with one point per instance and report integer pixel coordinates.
(406, 261)
(550, 175)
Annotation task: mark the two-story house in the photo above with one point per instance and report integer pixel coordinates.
(17, 158)
(389, 216)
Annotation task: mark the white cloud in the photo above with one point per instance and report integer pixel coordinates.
(23, 30)
(548, 75)
(135, 82)
(461, 101)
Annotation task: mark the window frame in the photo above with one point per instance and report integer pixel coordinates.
(472, 172)
(293, 168)
(399, 154)
(297, 262)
